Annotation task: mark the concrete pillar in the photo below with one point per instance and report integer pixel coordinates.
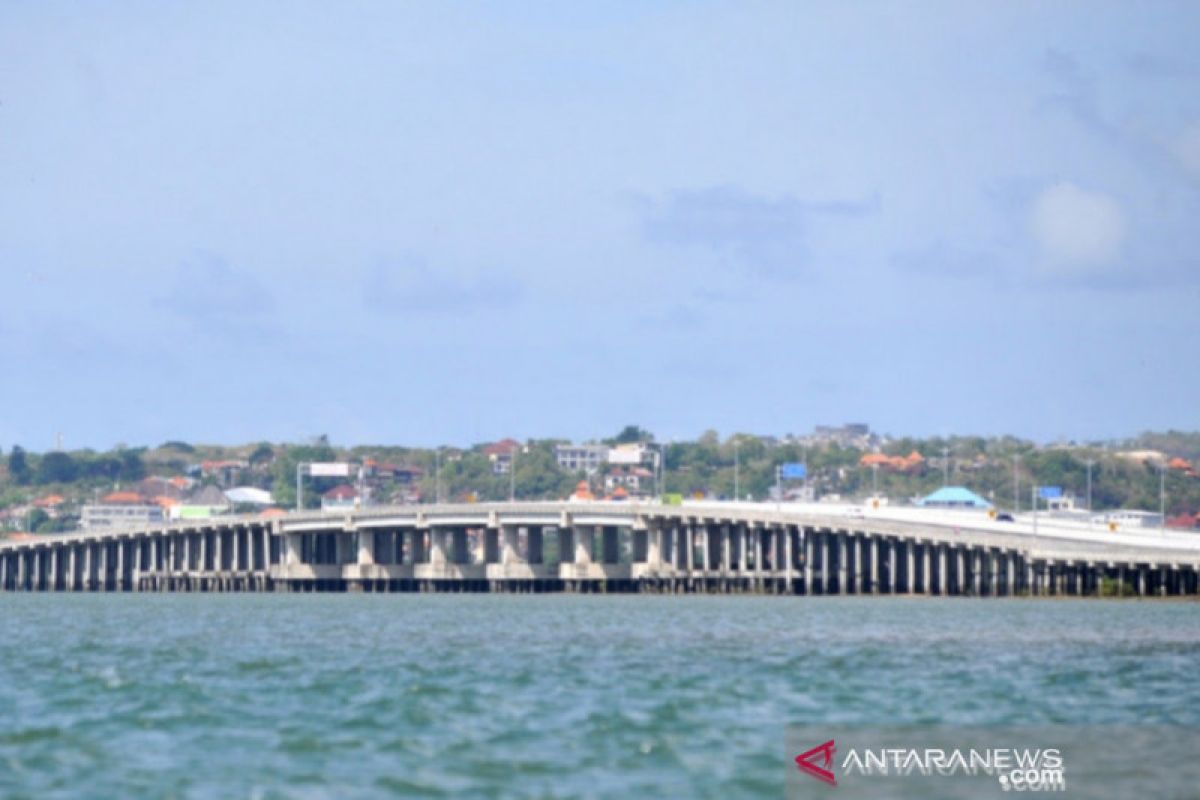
(437, 545)
(943, 585)
(610, 544)
(910, 574)
(960, 570)
(726, 549)
(510, 545)
(365, 555)
(460, 552)
(119, 578)
(789, 556)
(53, 584)
(809, 552)
(654, 546)
(892, 561)
(583, 544)
(876, 555)
(491, 546)
(218, 547)
(827, 576)
(534, 544)
(1010, 563)
(102, 566)
(689, 546)
(842, 562)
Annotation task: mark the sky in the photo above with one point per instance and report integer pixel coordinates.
(446, 223)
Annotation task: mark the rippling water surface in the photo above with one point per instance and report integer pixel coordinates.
(228, 696)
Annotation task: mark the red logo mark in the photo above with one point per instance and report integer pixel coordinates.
(807, 762)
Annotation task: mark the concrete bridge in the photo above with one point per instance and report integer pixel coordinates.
(810, 549)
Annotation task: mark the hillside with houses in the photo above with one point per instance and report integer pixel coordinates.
(60, 490)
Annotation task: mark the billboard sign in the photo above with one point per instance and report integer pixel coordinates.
(1050, 492)
(793, 471)
(330, 469)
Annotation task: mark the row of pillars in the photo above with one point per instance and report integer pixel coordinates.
(218, 558)
(690, 555)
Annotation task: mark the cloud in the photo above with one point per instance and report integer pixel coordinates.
(1187, 150)
(219, 301)
(765, 234)
(1076, 229)
(410, 285)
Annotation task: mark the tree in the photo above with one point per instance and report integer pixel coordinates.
(263, 454)
(632, 433)
(57, 467)
(18, 466)
(132, 468)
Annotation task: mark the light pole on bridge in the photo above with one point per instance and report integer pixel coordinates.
(1016, 484)
(737, 483)
(1089, 463)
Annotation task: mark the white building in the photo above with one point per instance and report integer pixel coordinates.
(580, 457)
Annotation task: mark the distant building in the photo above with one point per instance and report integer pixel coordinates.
(954, 497)
(340, 498)
(635, 480)
(501, 455)
(625, 454)
(1064, 502)
(224, 470)
(581, 457)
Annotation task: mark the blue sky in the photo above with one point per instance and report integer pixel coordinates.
(447, 223)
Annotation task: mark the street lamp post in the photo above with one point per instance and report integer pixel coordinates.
(1089, 462)
(437, 476)
(512, 476)
(737, 483)
(1016, 484)
(1162, 496)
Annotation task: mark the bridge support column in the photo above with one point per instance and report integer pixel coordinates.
(654, 547)
(842, 557)
(611, 547)
(54, 569)
(119, 577)
(689, 546)
(510, 545)
(583, 544)
(827, 576)
(534, 544)
(491, 546)
(942, 584)
(910, 576)
(726, 549)
(365, 552)
(876, 563)
(789, 558)
(809, 550)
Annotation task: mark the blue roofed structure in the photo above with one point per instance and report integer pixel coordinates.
(954, 497)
